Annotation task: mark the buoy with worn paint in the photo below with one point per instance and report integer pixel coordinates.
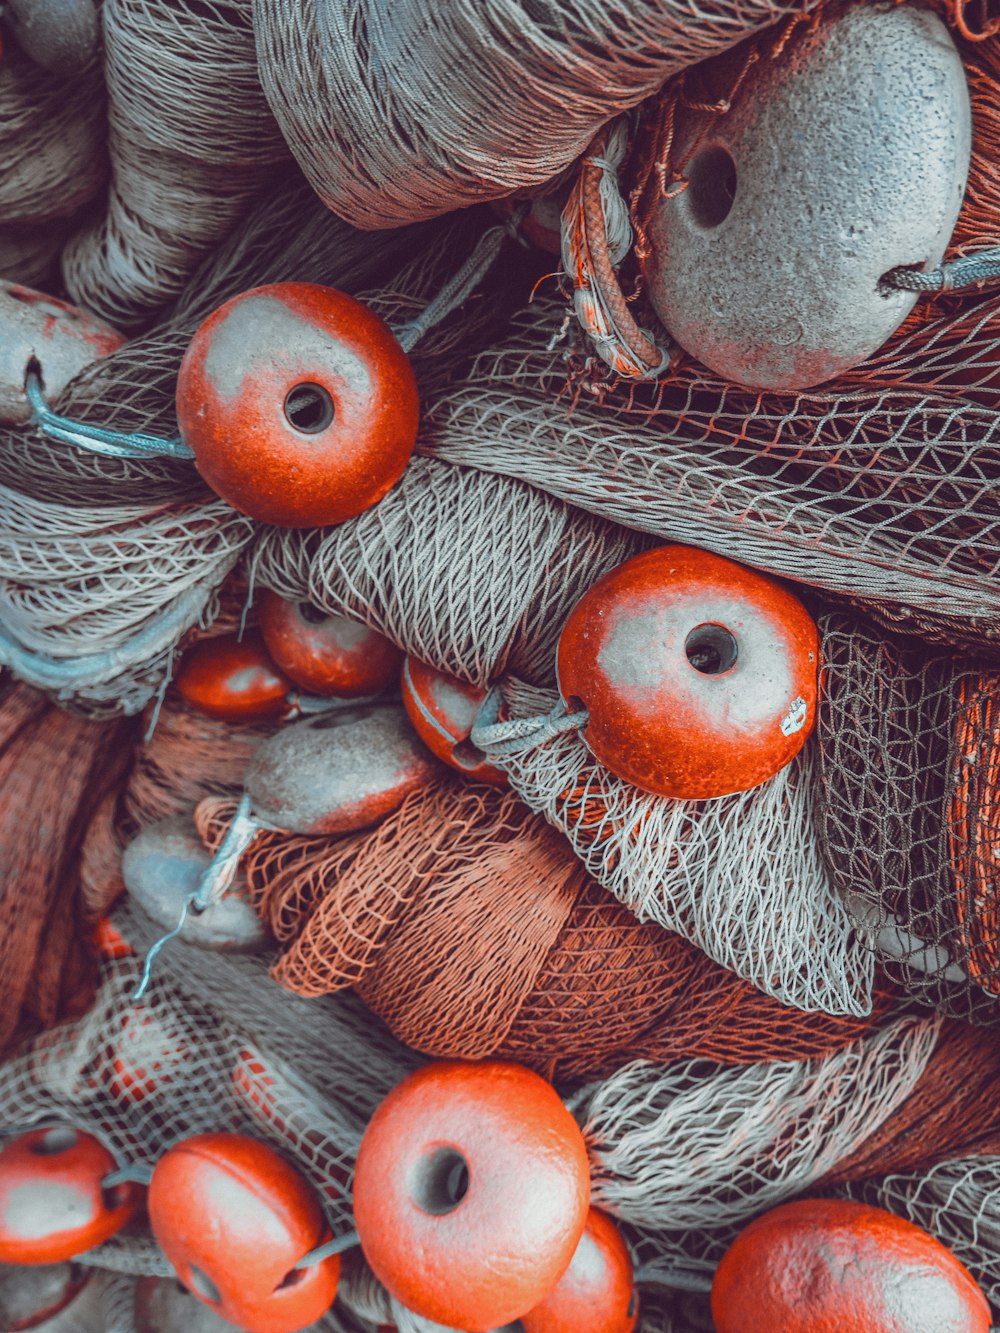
(838, 161)
(442, 710)
(700, 677)
(234, 679)
(163, 865)
(53, 1202)
(338, 771)
(299, 404)
(471, 1192)
(597, 1292)
(833, 1264)
(327, 654)
(61, 338)
(235, 1220)
(60, 35)
(32, 1295)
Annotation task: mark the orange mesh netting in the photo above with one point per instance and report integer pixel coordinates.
(54, 769)
(469, 927)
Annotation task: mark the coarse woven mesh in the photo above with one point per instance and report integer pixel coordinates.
(682, 1156)
(741, 876)
(54, 771)
(406, 113)
(107, 588)
(687, 1155)
(908, 816)
(466, 923)
(470, 572)
(958, 1201)
(192, 144)
(52, 131)
(879, 488)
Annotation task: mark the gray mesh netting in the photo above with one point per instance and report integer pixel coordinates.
(405, 113)
(880, 487)
(681, 1156)
(54, 160)
(107, 563)
(909, 809)
(741, 876)
(192, 143)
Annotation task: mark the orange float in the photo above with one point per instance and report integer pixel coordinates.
(442, 710)
(471, 1192)
(299, 404)
(327, 654)
(31, 1296)
(53, 1204)
(700, 677)
(233, 679)
(834, 1266)
(235, 1220)
(597, 1292)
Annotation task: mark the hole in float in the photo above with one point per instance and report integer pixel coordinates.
(574, 704)
(441, 1181)
(711, 187)
(291, 1278)
(308, 408)
(114, 1198)
(467, 755)
(203, 1286)
(312, 614)
(633, 1304)
(55, 1141)
(711, 649)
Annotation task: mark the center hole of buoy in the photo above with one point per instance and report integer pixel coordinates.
(312, 614)
(442, 1181)
(202, 1285)
(55, 1141)
(308, 408)
(711, 649)
(711, 189)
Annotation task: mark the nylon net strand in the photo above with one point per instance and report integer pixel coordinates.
(469, 927)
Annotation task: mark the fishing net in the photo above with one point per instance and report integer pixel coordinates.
(108, 563)
(404, 115)
(469, 927)
(54, 768)
(958, 1201)
(55, 158)
(192, 144)
(909, 809)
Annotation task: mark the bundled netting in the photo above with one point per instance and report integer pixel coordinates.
(405, 114)
(55, 160)
(883, 493)
(54, 771)
(681, 1156)
(741, 876)
(466, 923)
(192, 144)
(472, 573)
(107, 563)
(908, 817)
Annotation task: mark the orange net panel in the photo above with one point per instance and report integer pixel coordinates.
(54, 770)
(468, 926)
(973, 825)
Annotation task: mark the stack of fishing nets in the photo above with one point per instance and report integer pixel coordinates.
(787, 992)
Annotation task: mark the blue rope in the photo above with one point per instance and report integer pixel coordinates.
(112, 443)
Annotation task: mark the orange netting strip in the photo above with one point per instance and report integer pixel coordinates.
(973, 826)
